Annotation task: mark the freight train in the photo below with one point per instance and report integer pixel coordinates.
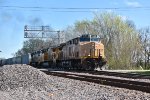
(83, 52)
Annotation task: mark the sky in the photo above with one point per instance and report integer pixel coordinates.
(15, 14)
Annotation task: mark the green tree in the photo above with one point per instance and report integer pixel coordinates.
(120, 39)
(118, 35)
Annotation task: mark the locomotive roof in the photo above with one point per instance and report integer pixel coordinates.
(63, 44)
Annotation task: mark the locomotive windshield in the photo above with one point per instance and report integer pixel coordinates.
(86, 38)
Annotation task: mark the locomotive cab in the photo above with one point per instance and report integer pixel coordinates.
(91, 46)
(91, 51)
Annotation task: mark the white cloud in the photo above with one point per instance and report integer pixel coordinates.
(132, 3)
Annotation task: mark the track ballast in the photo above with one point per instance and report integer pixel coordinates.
(121, 83)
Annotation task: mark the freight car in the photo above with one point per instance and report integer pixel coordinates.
(24, 59)
(84, 52)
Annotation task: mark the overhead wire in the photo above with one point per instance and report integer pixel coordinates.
(72, 9)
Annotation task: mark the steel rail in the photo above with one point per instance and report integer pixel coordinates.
(116, 74)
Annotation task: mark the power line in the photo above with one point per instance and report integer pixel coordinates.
(73, 8)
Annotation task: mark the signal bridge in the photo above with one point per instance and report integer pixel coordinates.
(43, 32)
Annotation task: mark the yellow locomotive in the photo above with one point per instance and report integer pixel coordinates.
(84, 52)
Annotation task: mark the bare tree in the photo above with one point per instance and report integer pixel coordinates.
(144, 35)
(32, 45)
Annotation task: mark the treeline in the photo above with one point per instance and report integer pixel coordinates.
(125, 46)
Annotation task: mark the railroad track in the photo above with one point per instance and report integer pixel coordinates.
(128, 84)
(116, 74)
(110, 73)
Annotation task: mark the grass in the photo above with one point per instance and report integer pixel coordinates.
(143, 72)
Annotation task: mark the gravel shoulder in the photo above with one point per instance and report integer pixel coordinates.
(23, 82)
(76, 90)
